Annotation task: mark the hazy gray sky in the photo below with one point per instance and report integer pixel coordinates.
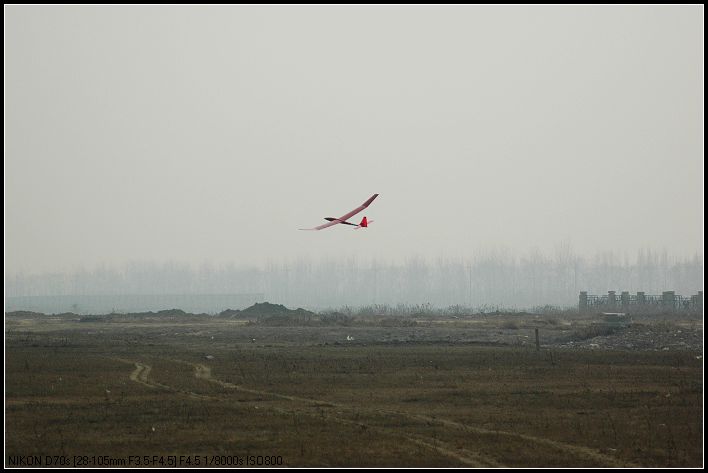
(214, 133)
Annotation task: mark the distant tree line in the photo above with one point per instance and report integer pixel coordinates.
(488, 279)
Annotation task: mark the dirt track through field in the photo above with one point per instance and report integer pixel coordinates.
(141, 373)
(564, 447)
(475, 460)
(204, 372)
(466, 457)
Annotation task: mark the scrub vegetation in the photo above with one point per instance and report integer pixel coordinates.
(352, 389)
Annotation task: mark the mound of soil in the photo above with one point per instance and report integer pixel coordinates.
(266, 310)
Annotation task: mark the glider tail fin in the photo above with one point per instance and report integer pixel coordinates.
(364, 223)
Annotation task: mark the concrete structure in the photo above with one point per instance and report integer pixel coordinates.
(668, 301)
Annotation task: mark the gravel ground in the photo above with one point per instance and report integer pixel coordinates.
(662, 336)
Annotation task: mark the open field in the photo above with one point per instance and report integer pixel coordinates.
(462, 391)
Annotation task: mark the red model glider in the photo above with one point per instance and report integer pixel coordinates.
(343, 219)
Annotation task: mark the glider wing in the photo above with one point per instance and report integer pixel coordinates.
(343, 218)
(328, 224)
(358, 209)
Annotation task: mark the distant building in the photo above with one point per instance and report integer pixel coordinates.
(668, 301)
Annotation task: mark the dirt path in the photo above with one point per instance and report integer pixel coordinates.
(563, 447)
(204, 372)
(463, 456)
(141, 373)
(466, 457)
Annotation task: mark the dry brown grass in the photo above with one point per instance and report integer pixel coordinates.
(69, 392)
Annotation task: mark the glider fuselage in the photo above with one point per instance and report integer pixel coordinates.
(343, 219)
